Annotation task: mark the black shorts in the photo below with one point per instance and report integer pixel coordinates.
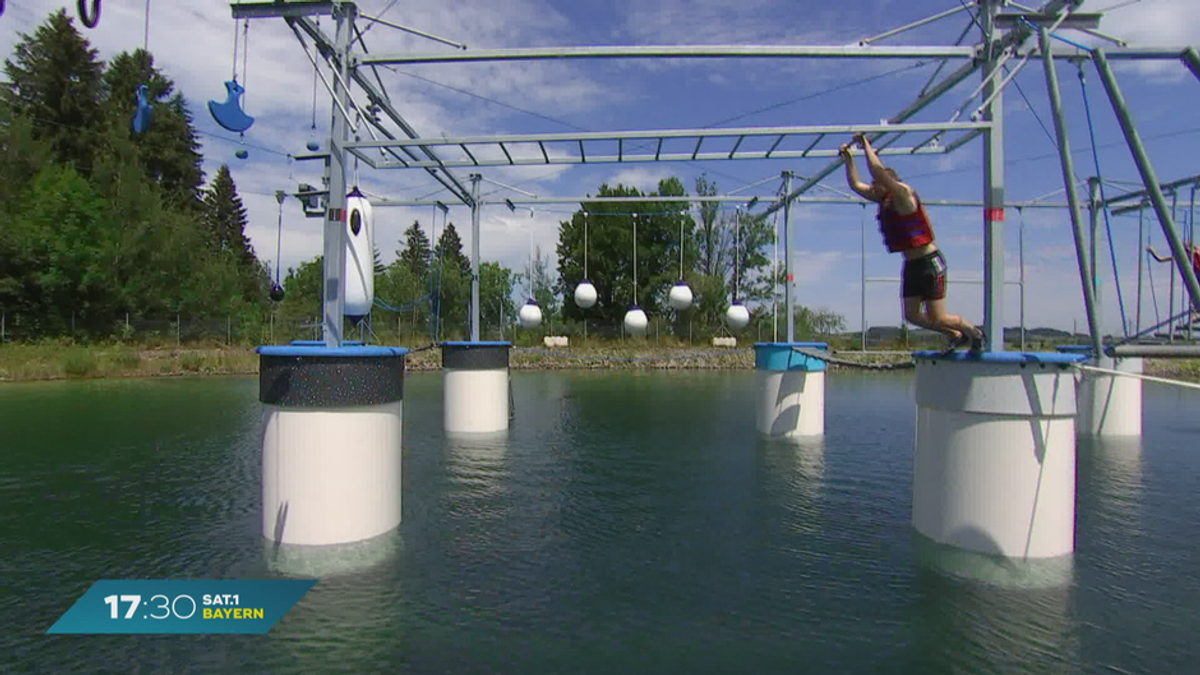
(925, 277)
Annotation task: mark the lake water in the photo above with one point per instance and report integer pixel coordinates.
(630, 523)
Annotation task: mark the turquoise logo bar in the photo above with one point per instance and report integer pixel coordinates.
(182, 606)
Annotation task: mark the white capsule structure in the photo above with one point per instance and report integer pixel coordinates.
(636, 321)
(359, 272)
(530, 314)
(585, 295)
(680, 296)
(737, 317)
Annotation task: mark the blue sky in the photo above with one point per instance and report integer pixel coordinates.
(192, 42)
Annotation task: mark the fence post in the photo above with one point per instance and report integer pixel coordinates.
(228, 329)
(178, 327)
(3, 317)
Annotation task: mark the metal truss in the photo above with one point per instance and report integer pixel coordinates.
(694, 139)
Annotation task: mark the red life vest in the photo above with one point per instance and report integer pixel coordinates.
(902, 233)
(1196, 259)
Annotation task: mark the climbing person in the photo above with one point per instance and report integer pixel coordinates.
(906, 229)
(1195, 268)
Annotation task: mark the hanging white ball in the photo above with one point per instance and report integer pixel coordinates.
(530, 315)
(680, 296)
(737, 316)
(585, 295)
(636, 321)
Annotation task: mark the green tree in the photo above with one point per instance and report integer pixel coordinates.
(711, 244)
(225, 219)
(169, 150)
(22, 158)
(415, 254)
(379, 267)
(541, 285)
(450, 242)
(70, 246)
(610, 251)
(495, 296)
(54, 80)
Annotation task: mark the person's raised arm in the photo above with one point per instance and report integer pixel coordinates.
(900, 192)
(1158, 257)
(852, 177)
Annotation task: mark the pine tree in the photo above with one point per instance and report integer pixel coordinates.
(415, 254)
(452, 245)
(55, 81)
(169, 149)
(225, 218)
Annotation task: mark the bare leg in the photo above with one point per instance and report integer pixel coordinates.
(937, 316)
(913, 314)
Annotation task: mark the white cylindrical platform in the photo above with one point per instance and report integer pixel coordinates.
(1109, 405)
(994, 471)
(791, 386)
(332, 427)
(475, 387)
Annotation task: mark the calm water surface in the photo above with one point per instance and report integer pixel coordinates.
(628, 523)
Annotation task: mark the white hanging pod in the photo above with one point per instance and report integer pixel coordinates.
(737, 317)
(680, 296)
(359, 272)
(636, 321)
(585, 295)
(530, 314)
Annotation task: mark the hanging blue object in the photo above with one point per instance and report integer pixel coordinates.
(141, 118)
(314, 146)
(229, 114)
(242, 154)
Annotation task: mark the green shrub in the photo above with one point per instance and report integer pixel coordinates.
(79, 363)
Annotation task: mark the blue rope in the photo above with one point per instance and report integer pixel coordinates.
(1107, 225)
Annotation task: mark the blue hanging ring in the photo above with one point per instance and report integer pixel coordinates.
(89, 20)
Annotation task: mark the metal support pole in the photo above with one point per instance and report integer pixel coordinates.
(1068, 170)
(993, 186)
(1171, 295)
(916, 24)
(334, 261)
(787, 262)
(1021, 258)
(1094, 237)
(1141, 264)
(1192, 59)
(475, 207)
(863, 305)
(1165, 218)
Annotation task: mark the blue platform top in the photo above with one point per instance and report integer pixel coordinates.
(780, 356)
(1077, 349)
(321, 343)
(789, 345)
(354, 351)
(461, 343)
(1005, 357)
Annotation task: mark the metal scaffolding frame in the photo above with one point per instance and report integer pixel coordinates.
(997, 46)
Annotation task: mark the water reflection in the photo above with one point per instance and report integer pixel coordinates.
(337, 560)
(795, 470)
(352, 618)
(476, 464)
(959, 625)
(993, 570)
(1110, 484)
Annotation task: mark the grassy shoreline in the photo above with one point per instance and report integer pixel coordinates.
(40, 362)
